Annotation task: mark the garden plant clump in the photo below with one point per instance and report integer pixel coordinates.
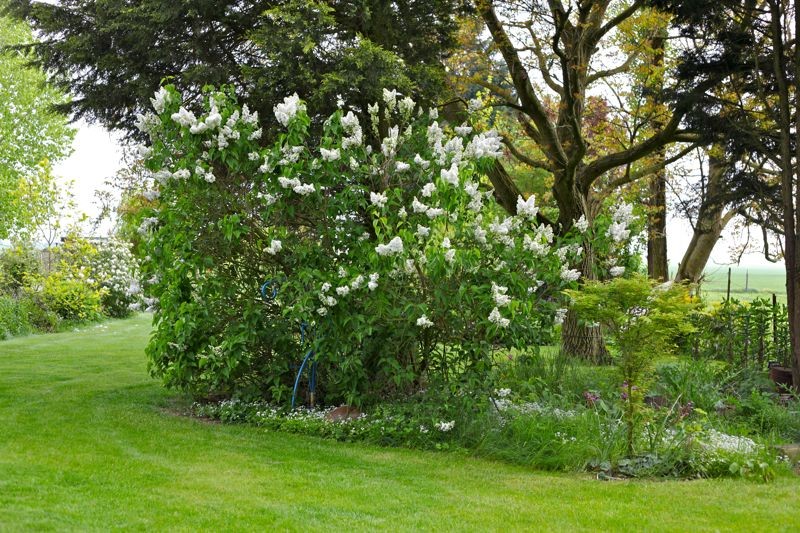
(380, 240)
(75, 282)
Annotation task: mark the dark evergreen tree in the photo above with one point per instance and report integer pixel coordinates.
(112, 55)
(755, 42)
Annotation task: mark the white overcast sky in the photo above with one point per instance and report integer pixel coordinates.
(97, 156)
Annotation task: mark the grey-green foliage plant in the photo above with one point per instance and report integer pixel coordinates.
(393, 255)
(643, 320)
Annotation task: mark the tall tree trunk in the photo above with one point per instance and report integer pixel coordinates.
(792, 219)
(578, 339)
(657, 265)
(708, 227)
(788, 193)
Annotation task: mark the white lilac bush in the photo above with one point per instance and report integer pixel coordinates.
(116, 270)
(379, 238)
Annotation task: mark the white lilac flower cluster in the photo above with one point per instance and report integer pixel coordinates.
(330, 155)
(296, 185)
(394, 247)
(527, 208)
(327, 300)
(274, 247)
(539, 244)
(621, 219)
(354, 136)
(378, 199)
(287, 110)
(445, 426)
(617, 271)
(496, 318)
(424, 322)
(582, 224)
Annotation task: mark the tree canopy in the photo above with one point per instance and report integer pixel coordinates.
(31, 132)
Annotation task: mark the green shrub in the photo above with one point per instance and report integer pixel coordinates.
(17, 264)
(761, 414)
(701, 382)
(41, 318)
(117, 272)
(549, 372)
(68, 298)
(643, 321)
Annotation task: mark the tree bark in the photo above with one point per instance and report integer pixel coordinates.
(657, 264)
(581, 340)
(792, 218)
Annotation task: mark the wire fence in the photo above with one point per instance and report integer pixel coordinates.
(745, 334)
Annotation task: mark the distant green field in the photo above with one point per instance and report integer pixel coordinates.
(747, 283)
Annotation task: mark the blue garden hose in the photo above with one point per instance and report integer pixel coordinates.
(264, 290)
(312, 380)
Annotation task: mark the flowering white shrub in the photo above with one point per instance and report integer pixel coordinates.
(117, 272)
(391, 251)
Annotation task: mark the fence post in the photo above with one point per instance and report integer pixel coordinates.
(762, 327)
(746, 347)
(728, 292)
(775, 346)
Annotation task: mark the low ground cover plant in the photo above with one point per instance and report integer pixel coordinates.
(553, 434)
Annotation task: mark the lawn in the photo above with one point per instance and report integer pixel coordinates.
(89, 442)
